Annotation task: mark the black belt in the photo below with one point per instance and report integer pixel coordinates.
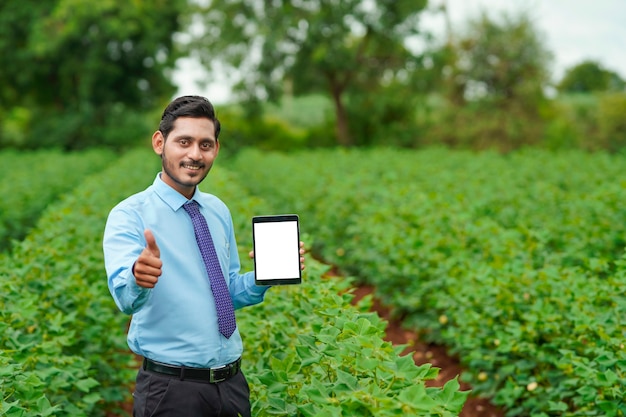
(210, 375)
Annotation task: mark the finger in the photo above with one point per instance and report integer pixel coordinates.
(151, 244)
(146, 281)
(149, 269)
(147, 264)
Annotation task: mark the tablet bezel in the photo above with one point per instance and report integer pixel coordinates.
(277, 218)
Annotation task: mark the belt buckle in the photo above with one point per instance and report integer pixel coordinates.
(212, 378)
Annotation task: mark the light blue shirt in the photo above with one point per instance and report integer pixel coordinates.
(175, 322)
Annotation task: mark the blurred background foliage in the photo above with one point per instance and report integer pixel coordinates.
(316, 73)
(81, 73)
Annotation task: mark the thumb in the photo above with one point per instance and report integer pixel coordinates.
(151, 244)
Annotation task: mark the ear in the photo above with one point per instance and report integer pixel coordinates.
(158, 141)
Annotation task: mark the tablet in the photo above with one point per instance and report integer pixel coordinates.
(276, 241)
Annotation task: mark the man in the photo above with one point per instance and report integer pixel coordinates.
(157, 258)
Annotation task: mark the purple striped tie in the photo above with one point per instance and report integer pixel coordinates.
(223, 302)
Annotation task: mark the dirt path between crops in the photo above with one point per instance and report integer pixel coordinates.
(426, 353)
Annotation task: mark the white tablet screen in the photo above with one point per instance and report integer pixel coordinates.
(276, 249)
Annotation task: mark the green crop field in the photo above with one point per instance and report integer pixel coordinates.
(309, 352)
(29, 181)
(515, 262)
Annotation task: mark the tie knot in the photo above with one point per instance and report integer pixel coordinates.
(191, 207)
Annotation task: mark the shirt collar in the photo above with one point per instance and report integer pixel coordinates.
(170, 196)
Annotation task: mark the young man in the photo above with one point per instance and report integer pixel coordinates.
(169, 251)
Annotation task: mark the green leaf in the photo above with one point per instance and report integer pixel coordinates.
(85, 385)
(345, 382)
(417, 398)
(452, 398)
(307, 356)
(557, 406)
(609, 377)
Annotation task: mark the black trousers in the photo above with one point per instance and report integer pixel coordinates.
(158, 395)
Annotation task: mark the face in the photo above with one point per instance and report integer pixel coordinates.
(187, 154)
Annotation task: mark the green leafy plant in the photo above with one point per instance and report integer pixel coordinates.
(30, 181)
(62, 338)
(514, 262)
(63, 349)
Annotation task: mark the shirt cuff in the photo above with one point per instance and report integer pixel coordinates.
(257, 290)
(134, 291)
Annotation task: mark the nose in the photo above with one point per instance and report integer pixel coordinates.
(194, 152)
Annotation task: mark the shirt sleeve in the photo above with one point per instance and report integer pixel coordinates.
(243, 290)
(122, 243)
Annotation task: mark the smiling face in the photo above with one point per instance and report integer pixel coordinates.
(187, 154)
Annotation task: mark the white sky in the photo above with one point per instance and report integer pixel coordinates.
(575, 30)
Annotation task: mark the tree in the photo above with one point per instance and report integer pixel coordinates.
(78, 67)
(501, 61)
(590, 76)
(496, 76)
(304, 46)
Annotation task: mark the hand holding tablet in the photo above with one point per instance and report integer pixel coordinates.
(276, 241)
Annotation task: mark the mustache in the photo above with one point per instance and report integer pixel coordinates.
(192, 162)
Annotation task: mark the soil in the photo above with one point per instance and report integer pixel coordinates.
(422, 352)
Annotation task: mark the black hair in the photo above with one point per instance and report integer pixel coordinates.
(188, 106)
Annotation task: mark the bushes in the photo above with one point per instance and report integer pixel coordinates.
(611, 122)
(240, 130)
(482, 127)
(590, 122)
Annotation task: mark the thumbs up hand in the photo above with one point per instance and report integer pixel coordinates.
(147, 268)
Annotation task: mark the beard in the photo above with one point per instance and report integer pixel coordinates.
(175, 172)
